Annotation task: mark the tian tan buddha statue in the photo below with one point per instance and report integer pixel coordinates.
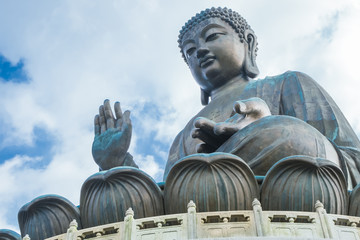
(281, 139)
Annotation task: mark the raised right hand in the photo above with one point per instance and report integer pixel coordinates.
(112, 136)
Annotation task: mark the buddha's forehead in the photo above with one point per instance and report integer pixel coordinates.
(206, 24)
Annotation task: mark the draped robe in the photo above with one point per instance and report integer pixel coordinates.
(293, 94)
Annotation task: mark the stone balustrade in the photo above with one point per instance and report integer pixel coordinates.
(255, 224)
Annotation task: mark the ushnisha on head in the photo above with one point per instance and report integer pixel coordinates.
(218, 45)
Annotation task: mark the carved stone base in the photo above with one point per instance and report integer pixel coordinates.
(250, 224)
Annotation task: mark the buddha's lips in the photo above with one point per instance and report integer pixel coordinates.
(204, 62)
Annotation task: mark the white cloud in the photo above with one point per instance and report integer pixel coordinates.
(14, 187)
(18, 108)
(150, 166)
(78, 53)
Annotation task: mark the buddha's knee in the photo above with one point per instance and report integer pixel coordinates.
(264, 142)
(302, 180)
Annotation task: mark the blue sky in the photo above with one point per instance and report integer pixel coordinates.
(60, 59)
(12, 72)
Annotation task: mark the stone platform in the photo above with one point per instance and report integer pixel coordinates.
(255, 224)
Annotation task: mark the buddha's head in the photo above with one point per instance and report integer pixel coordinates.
(218, 45)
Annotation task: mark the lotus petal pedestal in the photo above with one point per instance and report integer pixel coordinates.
(215, 182)
(47, 216)
(295, 183)
(105, 196)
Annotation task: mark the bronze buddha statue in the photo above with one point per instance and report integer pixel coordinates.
(220, 49)
(285, 131)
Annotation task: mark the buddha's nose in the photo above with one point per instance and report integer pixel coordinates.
(201, 52)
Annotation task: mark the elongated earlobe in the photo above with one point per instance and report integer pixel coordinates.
(250, 67)
(204, 97)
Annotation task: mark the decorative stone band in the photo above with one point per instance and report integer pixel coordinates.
(247, 224)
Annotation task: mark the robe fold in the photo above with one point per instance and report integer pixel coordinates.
(293, 94)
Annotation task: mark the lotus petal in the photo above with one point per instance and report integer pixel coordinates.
(47, 216)
(354, 209)
(295, 183)
(105, 196)
(215, 182)
(6, 234)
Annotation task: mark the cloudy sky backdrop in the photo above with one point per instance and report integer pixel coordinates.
(60, 59)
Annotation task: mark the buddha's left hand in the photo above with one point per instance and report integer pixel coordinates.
(214, 134)
(246, 112)
(204, 130)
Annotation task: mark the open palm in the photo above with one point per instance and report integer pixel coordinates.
(112, 136)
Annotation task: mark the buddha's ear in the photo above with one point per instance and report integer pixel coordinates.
(250, 67)
(204, 97)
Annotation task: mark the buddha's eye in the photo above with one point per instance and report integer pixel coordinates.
(213, 36)
(190, 51)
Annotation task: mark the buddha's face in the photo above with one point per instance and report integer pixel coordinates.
(214, 53)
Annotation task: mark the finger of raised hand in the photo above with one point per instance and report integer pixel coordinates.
(118, 115)
(97, 125)
(109, 117)
(102, 119)
(126, 130)
(117, 109)
(126, 123)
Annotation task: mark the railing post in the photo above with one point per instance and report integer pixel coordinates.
(129, 225)
(261, 225)
(326, 224)
(26, 237)
(191, 220)
(72, 230)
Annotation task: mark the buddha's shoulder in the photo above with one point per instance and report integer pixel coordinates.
(286, 79)
(287, 76)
